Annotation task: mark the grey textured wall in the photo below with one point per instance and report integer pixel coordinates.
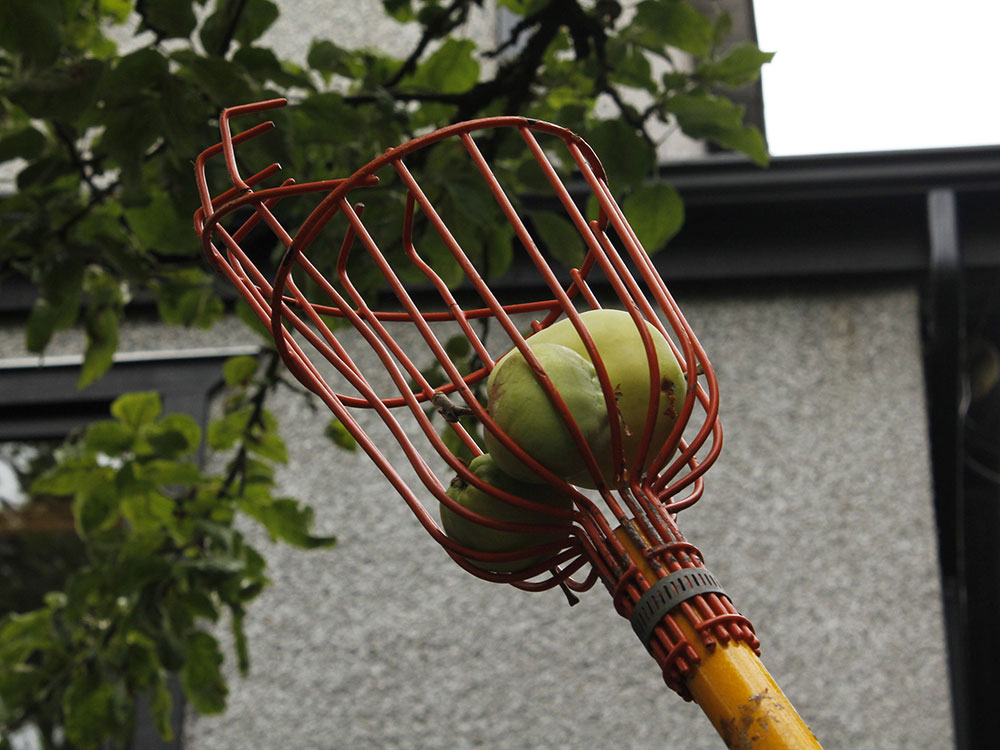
(817, 518)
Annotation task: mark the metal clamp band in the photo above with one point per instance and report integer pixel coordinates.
(666, 594)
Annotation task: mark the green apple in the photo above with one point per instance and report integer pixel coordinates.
(620, 348)
(483, 538)
(522, 409)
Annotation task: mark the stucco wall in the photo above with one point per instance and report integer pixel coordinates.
(817, 518)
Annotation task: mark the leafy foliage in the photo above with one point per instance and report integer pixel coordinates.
(163, 561)
(103, 104)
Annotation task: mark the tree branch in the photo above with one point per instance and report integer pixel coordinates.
(437, 28)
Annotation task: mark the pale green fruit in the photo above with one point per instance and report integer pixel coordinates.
(522, 409)
(485, 539)
(620, 348)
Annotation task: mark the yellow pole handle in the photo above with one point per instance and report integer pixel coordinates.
(732, 687)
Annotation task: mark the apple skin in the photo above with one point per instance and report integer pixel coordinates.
(620, 348)
(485, 539)
(522, 409)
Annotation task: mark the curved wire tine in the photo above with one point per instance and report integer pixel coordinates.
(565, 298)
(628, 292)
(201, 179)
(303, 338)
(375, 324)
(459, 314)
(227, 137)
(460, 382)
(595, 255)
(423, 471)
(299, 363)
(487, 295)
(674, 439)
(389, 345)
(692, 353)
(413, 313)
(388, 353)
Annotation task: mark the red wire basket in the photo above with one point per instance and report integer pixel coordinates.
(368, 353)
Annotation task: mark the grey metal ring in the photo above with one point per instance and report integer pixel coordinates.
(666, 594)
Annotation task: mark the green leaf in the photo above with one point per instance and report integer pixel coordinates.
(127, 144)
(437, 255)
(31, 28)
(173, 436)
(748, 140)
(159, 226)
(659, 24)
(101, 326)
(216, 565)
(147, 65)
(263, 65)
(201, 675)
(168, 18)
(62, 288)
(450, 70)
(46, 170)
(224, 81)
(559, 237)
(338, 434)
(522, 7)
(138, 409)
(148, 511)
(58, 306)
(325, 118)
(23, 633)
(214, 33)
(499, 250)
(401, 10)
(720, 120)
(26, 143)
(200, 603)
(457, 346)
(40, 327)
(60, 92)
(739, 67)
(285, 519)
(270, 446)
(87, 705)
(227, 429)
(143, 666)
(629, 64)
(240, 640)
(326, 57)
(239, 370)
(162, 708)
(117, 10)
(626, 156)
(243, 20)
(472, 196)
(702, 116)
(656, 213)
(95, 508)
(112, 438)
(188, 297)
(256, 18)
(140, 560)
(70, 476)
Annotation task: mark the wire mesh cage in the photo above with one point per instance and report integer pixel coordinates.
(387, 303)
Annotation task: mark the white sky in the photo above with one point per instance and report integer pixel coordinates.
(875, 75)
